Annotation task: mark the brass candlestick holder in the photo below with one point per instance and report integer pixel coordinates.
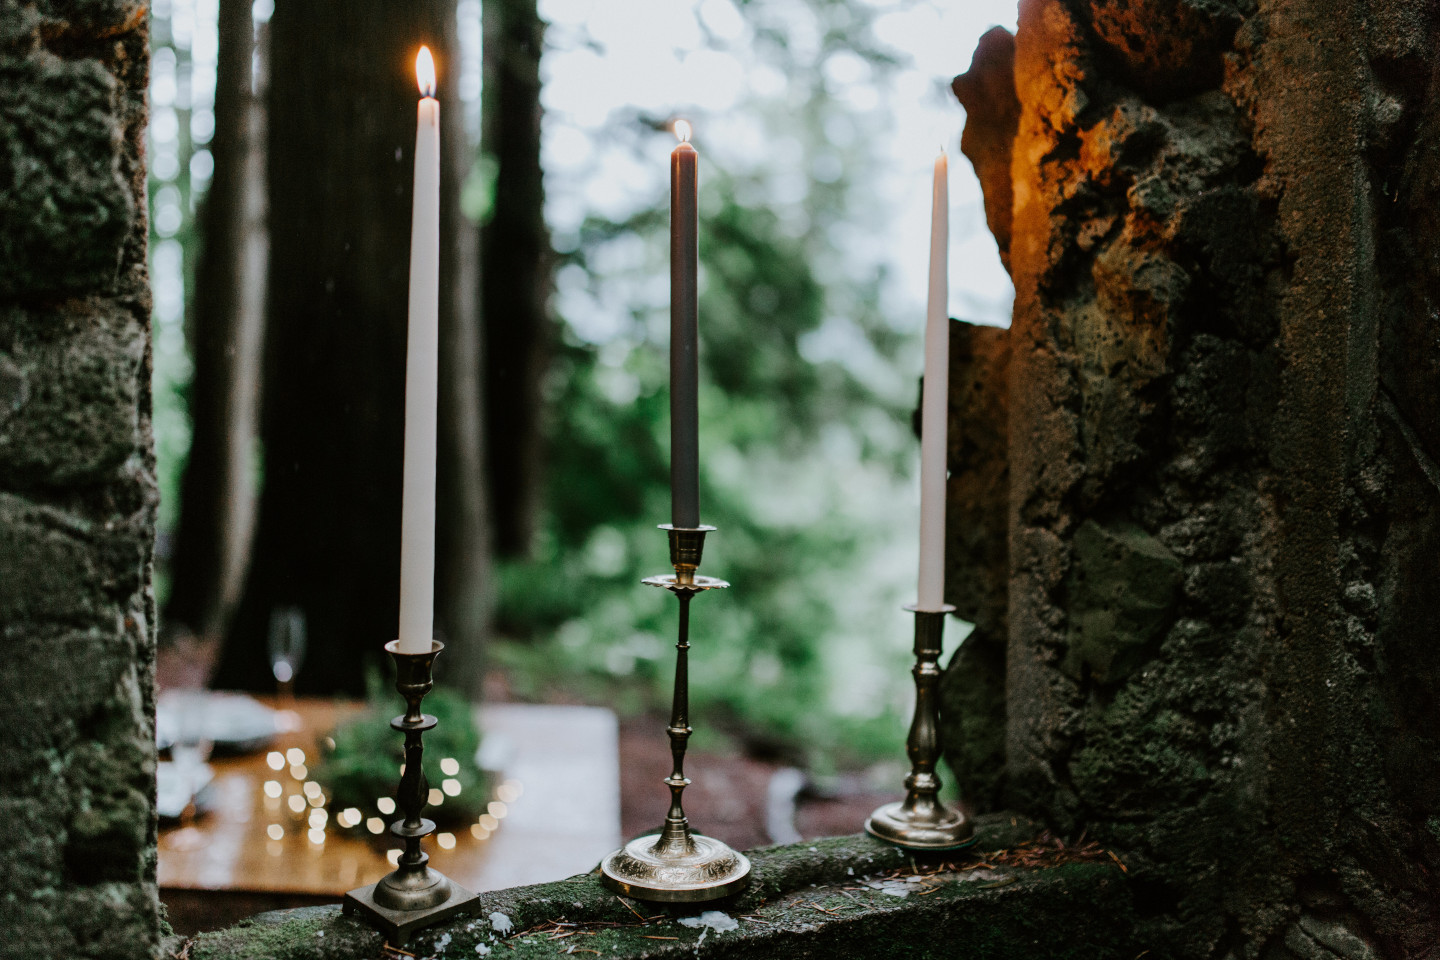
(921, 821)
(677, 865)
(413, 895)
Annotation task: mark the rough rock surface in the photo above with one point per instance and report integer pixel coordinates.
(1222, 440)
(977, 568)
(987, 91)
(77, 493)
(837, 897)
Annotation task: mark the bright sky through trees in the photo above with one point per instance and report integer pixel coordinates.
(661, 59)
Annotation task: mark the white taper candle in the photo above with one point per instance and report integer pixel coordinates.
(417, 514)
(934, 402)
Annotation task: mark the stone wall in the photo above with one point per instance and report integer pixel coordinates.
(77, 492)
(1222, 428)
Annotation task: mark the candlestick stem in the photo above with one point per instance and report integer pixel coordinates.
(921, 821)
(413, 895)
(677, 864)
(675, 838)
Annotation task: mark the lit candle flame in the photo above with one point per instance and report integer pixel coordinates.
(425, 72)
(682, 130)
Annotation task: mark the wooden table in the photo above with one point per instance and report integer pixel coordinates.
(564, 760)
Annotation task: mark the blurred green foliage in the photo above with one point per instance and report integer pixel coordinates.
(806, 449)
(805, 452)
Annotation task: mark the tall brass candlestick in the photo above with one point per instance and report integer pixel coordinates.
(413, 896)
(921, 821)
(677, 865)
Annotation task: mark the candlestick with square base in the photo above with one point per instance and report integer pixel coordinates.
(678, 865)
(413, 896)
(921, 821)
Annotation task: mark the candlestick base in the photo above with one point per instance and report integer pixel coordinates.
(929, 827)
(698, 869)
(398, 924)
(921, 821)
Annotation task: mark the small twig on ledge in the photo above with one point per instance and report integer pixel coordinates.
(631, 909)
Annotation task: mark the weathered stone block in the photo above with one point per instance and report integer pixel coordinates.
(66, 205)
(972, 720)
(56, 683)
(110, 920)
(1167, 49)
(977, 491)
(987, 91)
(76, 486)
(92, 17)
(1224, 496)
(73, 401)
(59, 568)
(976, 560)
(33, 844)
(1122, 591)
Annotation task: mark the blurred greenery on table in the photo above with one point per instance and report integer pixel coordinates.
(364, 765)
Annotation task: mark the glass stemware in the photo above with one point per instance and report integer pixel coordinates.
(287, 647)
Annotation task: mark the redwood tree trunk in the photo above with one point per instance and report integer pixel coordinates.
(464, 595)
(341, 149)
(515, 288)
(227, 321)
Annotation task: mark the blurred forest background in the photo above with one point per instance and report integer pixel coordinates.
(281, 150)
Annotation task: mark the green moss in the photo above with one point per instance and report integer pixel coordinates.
(67, 209)
(1123, 590)
(1141, 752)
(311, 932)
(71, 414)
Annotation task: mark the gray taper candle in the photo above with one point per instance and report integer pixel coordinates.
(684, 335)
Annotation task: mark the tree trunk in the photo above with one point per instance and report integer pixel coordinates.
(464, 599)
(341, 142)
(515, 288)
(217, 494)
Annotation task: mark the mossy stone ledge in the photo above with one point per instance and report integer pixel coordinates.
(836, 897)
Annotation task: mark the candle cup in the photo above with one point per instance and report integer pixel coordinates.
(678, 865)
(413, 896)
(921, 821)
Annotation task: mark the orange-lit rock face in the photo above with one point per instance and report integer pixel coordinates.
(1165, 49)
(987, 91)
(1224, 528)
(1119, 234)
